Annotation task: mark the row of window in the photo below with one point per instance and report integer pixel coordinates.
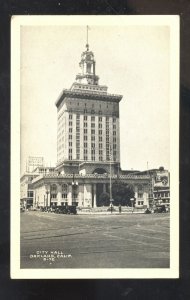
(85, 118)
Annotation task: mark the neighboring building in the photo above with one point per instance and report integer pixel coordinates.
(27, 195)
(160, 186)
(88, 145)
(26, 190)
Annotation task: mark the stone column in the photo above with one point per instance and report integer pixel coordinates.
(136, 194)
(59, 196)
(47, 195)
(145, 198)
(79, 195)
(95, 195)
(69, 194)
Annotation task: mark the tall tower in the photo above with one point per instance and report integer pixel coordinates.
(88, 123)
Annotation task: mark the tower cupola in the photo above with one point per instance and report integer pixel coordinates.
(88, 67)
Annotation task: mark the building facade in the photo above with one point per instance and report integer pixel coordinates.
(159, 187)
(88, 146)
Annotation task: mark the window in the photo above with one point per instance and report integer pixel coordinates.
(85, 118)
(114, 132)
(114, 126)
(78, 117)
(100, 146)
(140, 202)
(93, 157)
(70, 144)
(93, 138)
(100, 119)
(114, 139)
(70, 123)
(114, 120)
(100, 125)
(70, 137)
(85, 145)
(85, 151)
(85, 124)
(85, 130)
(78, 156)
(92, 131)
(70, 150)
(100, 158)
(92, 111)
(75, 195)
(30, 194)
(100, 131)
(70, 157)
(92, 125)
(100, 138)
(85, 137)
(64, 191)
(92, 119)
(70, 117)
(85, 157)
(92, 145)
(53, 196)
(70, 129)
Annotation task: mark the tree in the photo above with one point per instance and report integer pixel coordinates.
(122, 193)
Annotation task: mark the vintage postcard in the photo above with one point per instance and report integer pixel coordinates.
(95, 147)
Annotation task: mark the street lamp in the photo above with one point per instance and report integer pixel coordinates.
(74, 185)
(47, 193)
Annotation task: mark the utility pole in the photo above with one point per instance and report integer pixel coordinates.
(110, 180)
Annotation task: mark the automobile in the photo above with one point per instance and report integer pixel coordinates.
(160, 209)
(147, 211)
(69, 209)
(72, 209)
(22, 209)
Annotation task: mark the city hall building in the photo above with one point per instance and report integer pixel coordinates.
(88, 146)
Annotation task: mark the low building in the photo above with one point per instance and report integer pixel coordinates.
(159, 193)
(27, 194)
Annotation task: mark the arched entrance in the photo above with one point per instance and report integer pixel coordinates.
(99, 171)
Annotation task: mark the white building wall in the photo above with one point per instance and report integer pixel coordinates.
(87, 195)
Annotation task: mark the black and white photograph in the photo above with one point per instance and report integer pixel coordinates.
(95, 133)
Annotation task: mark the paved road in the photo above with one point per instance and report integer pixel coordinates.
(50, 240)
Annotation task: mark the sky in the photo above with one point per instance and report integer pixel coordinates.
(131, 60)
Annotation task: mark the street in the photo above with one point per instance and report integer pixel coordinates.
(51, 240)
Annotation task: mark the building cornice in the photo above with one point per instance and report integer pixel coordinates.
(92, 95)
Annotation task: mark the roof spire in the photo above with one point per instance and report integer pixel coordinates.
(87, 45)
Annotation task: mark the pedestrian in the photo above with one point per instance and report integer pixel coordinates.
(111, 208)
(119, 208)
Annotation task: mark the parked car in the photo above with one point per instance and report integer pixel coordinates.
(69, 209)
(160, 209)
